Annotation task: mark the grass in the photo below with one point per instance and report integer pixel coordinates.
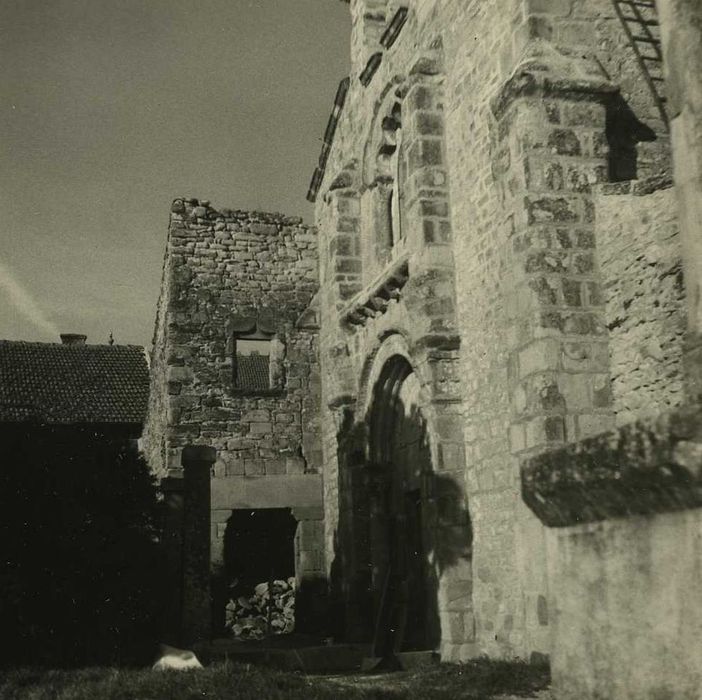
(478, 680)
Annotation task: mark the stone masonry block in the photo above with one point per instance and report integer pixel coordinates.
(260, 428)
(256, 416)
(540, 355)
(452, 628)
(555, 8)
(235, 467)
(295, 465)
(254, 467)
(274, 466)
(576, 391)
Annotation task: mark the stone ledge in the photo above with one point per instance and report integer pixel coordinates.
(651, 466)
(639, 188)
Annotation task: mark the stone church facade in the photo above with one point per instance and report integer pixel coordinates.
(482, 384)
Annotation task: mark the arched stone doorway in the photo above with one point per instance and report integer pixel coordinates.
(402, 517)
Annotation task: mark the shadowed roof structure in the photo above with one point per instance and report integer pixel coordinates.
(68, 384)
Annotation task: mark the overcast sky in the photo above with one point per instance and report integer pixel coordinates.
(111, 108)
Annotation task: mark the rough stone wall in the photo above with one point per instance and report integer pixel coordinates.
(638, 247)
(634, 121)
(681, 24)
(221, 265)
(153, 442)
(509, 194)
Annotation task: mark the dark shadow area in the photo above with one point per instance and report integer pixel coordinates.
(79, 554)
(624, 131)
(401, 524)
(259, 546)
(350, 578)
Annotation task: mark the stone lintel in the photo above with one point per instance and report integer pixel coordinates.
(280, 491)
(650, 466)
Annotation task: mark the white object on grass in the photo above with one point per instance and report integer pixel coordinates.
(171, 658)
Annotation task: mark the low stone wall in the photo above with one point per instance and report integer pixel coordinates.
(623, 620)
(624, 554)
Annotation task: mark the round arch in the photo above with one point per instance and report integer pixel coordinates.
(400, 493)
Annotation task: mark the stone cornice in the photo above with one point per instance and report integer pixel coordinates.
(374, 299)
(545, 72)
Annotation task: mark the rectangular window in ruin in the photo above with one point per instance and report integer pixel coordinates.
(258, 364)
(252, 364)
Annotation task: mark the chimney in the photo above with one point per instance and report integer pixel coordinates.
(73, 339)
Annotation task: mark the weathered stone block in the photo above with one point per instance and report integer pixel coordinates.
(257, 416)
(274, 466)
(260, 428)
(254, 467)
(295, 465)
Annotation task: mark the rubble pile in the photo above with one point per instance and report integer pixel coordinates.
(247, 618)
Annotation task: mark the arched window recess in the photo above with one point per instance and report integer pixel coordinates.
(390, 172)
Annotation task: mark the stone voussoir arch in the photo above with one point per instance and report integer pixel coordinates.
(394, 344)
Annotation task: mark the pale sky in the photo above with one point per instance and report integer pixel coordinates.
(112, 108)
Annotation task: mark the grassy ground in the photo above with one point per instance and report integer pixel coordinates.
(478, 680)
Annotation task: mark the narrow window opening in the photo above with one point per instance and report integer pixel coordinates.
(390, 159)
(395, 198)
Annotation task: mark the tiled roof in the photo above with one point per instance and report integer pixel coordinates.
(252, 372)
(55, 383)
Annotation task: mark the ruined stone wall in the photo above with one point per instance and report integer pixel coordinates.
(220, 266)
(153, 442)
(639, 251)
(507, 120)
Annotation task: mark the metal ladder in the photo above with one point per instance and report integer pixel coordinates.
(639, 18)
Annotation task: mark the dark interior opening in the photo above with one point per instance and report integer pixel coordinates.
(259, 544)
(259, 547)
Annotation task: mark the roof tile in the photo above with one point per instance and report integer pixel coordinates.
(55, 383)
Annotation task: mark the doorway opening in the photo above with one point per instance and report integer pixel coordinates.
(405, 585)
(259, 566)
